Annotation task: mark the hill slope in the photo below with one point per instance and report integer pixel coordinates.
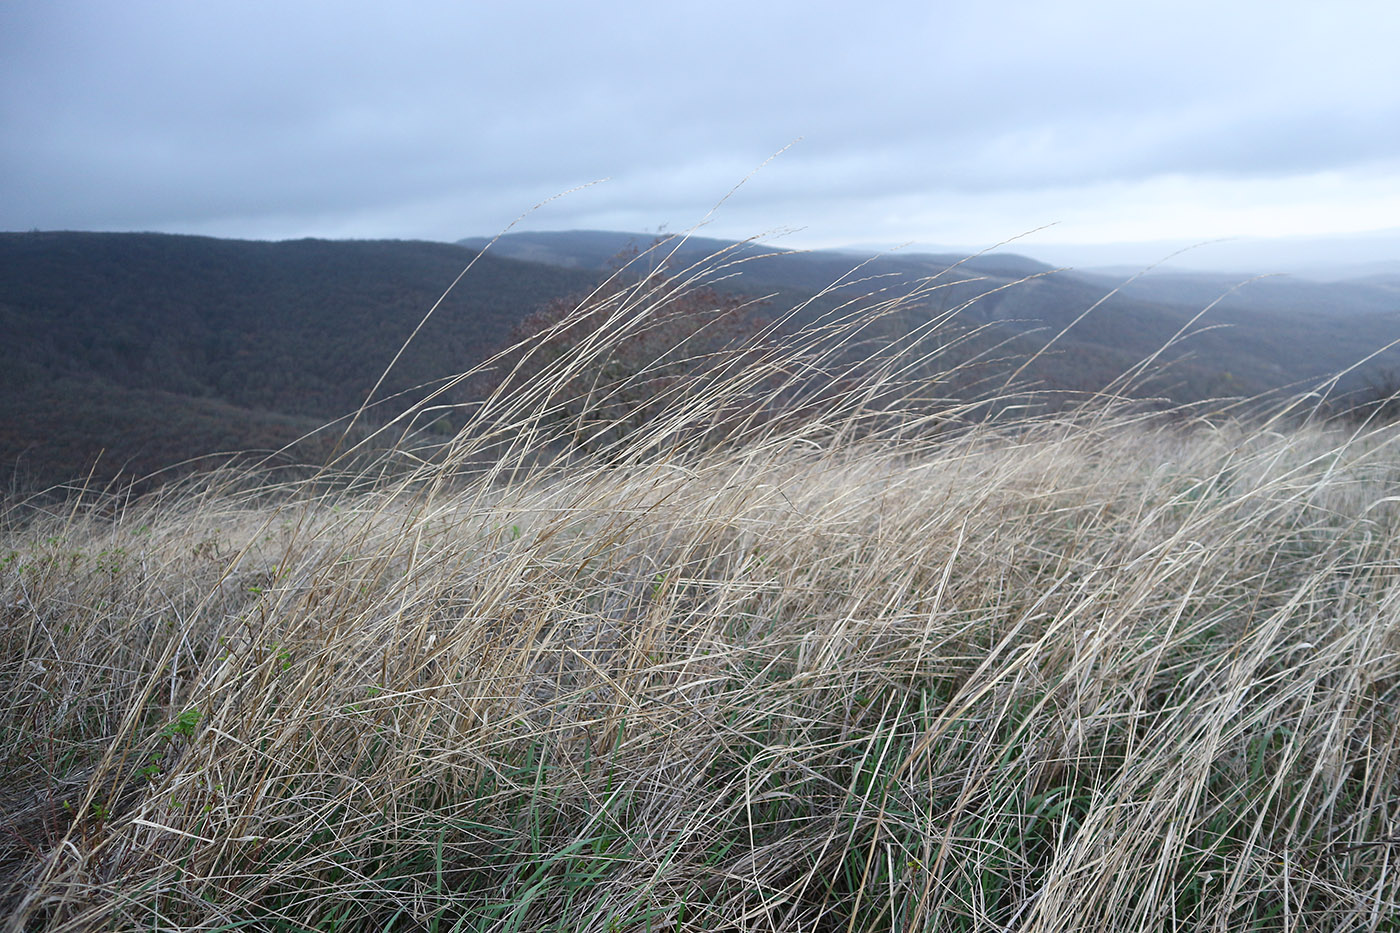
(1270, 333)
(156, 348)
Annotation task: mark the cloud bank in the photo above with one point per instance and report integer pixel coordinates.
(1115, 122)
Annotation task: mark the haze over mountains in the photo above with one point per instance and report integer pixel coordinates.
(148, 349)
(1330, 258)
(1259, 334)
(1373, 286)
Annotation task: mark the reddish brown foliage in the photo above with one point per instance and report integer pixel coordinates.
(631, 355)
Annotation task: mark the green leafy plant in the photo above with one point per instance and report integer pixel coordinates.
(183, 725)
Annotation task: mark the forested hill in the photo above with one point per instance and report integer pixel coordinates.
(300, 327)
(155, 348)
(149, 349)
(1259, 333)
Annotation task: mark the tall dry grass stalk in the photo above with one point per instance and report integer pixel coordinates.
(798, 655)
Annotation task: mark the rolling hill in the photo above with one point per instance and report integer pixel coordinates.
(157, 348)
(1266, 333)
(138, 351)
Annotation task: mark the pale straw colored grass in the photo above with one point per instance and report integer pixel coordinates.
(843, 672)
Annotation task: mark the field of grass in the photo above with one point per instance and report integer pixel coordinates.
(852, 671)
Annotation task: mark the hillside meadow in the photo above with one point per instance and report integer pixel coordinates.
(801, 650)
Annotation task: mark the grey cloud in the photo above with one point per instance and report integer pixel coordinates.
(186, 116)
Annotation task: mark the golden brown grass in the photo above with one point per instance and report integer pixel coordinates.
(837, 672)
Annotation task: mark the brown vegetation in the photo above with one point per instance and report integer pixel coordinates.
(874, 667)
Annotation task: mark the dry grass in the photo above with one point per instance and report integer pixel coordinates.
(842, 672)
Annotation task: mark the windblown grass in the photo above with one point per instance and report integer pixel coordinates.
(836, 672)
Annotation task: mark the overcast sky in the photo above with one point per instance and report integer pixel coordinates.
(961, 123)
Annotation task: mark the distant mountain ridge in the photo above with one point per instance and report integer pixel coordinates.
(1277, 330)
(190, 345)
(598, 250)
(1367, 295)
(1370, 292)
(149, 348)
